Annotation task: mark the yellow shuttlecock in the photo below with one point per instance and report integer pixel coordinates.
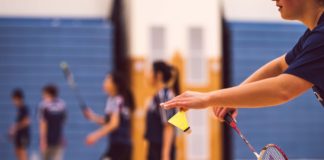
(180, 121)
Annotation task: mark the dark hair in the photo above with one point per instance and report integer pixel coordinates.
(51, 89)
(18, 93)
(169, 74)
(176, 81)
(123, 89)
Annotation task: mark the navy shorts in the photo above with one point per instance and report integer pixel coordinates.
(118, 152)
(22, 141)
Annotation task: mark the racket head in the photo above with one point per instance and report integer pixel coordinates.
(68, 74)
(272, 152)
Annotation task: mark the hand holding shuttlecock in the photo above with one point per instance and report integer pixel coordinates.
(180, 121)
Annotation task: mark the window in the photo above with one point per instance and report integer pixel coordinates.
(196, 66)
(157, 43)
(198, 141)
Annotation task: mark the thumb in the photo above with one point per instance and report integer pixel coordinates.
(235, 114)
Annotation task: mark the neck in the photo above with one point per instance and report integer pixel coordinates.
(311, 18)
(113, 94)
(160, 86)
(50, 99)
(20, 105)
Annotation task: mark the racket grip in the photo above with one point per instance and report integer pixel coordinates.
(229, 120)
(85, 111)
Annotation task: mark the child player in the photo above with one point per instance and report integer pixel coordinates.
(52, 111)
(159, 133)
(117, 119)
(20, 131)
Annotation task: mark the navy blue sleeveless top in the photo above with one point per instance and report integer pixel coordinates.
(121, 135)
(306, 59)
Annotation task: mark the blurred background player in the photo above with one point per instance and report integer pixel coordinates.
(159, 133)
(117, 119)
(52, 119)
(20, 130)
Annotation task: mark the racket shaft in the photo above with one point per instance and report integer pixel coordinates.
(246, 141)
(80, 99)
(231, 122)
(70, 79)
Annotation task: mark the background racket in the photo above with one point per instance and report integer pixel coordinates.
(72, 84)
(269, 152)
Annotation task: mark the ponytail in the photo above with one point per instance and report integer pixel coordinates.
(174, 82)
(170, 75)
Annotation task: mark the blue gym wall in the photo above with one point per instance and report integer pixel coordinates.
(30, 53)
(31, 50)
(297, 127)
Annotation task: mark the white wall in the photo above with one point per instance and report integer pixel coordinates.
(176, 16)
(252, 10)
(55, 8)
(180, 14)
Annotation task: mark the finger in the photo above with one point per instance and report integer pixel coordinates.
(219, 111)
(175, 104)
(216, 110)
(171, 101)
(223, 113)
(168, 103)
(235, 113)
(178, 104)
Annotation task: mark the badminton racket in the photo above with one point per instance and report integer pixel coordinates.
(73, 85)
(269, 152)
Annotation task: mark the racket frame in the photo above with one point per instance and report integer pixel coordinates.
(273, 146)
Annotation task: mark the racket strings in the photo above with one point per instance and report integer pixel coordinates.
(272, 153)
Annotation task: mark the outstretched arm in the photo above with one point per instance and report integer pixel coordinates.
(271, 69)
(93, 117)
(262, 93)
(104, 130)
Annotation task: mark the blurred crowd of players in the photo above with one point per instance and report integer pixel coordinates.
(115, 120)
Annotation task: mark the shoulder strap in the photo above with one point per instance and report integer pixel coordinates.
(165, 94)
(156, 100)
